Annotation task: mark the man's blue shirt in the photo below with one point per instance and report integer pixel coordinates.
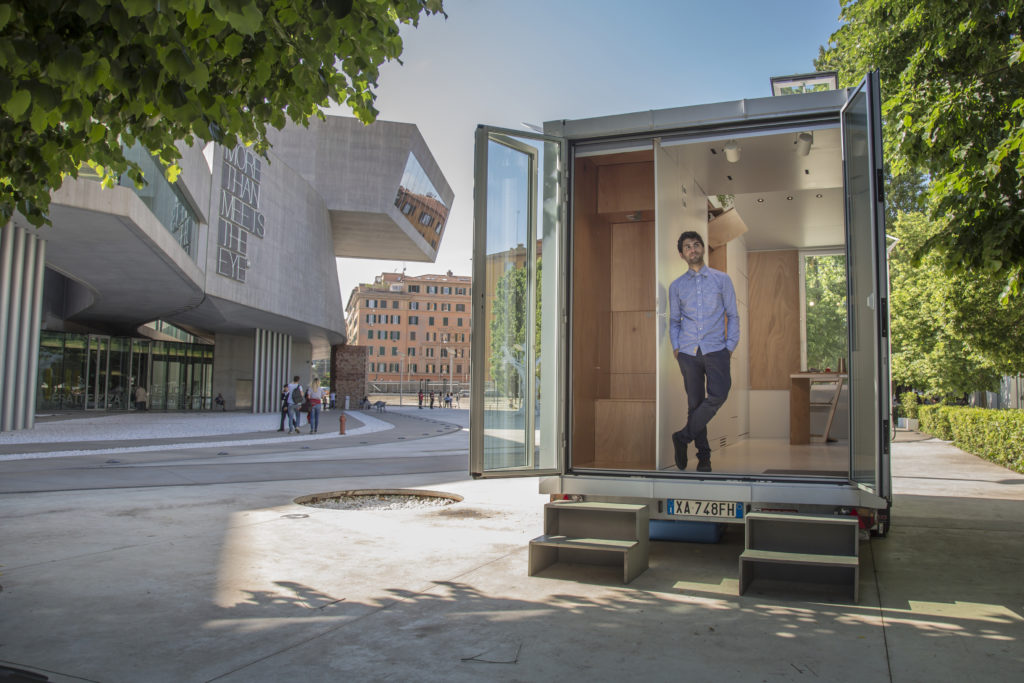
(702, 312)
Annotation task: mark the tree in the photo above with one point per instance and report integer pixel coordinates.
(825, 285)
(950, 335)
(508, 331)
(80, 81)
(953, 101)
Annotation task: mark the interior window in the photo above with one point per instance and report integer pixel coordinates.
(823, 281)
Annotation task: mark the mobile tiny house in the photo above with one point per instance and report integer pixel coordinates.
(573, 376)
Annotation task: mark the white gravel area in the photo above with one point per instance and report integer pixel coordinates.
(127, 427)
(382, 502)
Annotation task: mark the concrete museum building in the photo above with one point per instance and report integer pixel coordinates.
(222, 283)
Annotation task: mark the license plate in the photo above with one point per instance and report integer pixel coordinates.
(705, 508)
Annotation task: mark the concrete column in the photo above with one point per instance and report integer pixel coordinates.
(271, 360)
(22, 262)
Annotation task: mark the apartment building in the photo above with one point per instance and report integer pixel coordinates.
(416, 329)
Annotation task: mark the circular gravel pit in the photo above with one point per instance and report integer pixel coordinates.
(379, 499)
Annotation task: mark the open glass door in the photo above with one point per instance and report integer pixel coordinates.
(517, 342)
(867, 288)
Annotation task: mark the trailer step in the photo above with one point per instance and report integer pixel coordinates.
(801, 549)
(593, 533)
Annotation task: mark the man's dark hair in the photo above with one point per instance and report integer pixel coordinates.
(689, 235)
(296, 379)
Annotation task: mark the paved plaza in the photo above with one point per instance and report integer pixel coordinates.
(167, 547)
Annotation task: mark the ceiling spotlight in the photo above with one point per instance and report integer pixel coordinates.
(760, 200)
(803, 143)
(732, 152)
(789, 198)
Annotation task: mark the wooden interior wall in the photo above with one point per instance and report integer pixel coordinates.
(717, 258)
(625, 187)
(590, 314)
(613, 314)
(774, 295)
(625, 434)
(633, 324)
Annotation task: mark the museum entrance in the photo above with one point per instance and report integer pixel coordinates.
(98, 372)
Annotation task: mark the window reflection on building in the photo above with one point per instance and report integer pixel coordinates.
(420, 203)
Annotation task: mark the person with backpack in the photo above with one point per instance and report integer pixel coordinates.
(296, 395)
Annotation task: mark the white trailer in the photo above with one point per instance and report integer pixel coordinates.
(573, 375)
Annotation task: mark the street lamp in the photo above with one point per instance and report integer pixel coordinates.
(401, 377)
(448, 347)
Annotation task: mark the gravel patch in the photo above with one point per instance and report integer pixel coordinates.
(379, 500)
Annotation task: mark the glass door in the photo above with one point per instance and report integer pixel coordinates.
(867, 288)
(517, 407)
(140, 367)
(97, 372)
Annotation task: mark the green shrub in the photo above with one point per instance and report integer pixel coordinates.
(935, 421)
(908, 404)
(996, 435)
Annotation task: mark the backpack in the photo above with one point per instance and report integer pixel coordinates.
(297, 397)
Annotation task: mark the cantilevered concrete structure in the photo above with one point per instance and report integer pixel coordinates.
(223, 283)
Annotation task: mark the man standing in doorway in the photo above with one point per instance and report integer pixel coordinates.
(705, 329)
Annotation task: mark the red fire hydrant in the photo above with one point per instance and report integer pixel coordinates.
(341, 423)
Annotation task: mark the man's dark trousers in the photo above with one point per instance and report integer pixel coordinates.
(707, 380)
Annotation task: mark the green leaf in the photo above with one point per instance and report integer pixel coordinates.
(137, 8)
(233, 45)
(247, 21)
(5, 15)
(97, 132)
(199, 76)
(18, 103)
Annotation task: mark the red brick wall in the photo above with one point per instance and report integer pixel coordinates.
(348, 373)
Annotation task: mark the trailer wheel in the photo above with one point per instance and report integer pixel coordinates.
(884, 521)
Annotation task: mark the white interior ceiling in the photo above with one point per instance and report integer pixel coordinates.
(786, 200)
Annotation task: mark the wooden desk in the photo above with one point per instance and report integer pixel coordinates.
(800, 404)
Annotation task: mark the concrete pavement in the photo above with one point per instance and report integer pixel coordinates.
(218, 575)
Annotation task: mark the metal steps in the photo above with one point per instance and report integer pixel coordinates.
(801, 549)
(593, 533)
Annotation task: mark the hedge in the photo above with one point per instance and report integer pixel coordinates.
(909, 405)
(996, 435)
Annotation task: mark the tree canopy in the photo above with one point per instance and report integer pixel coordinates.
(950, 335)
(507, 351)
(953, 100)
(80, 81)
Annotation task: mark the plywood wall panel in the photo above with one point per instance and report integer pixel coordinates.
(634, 385)
(774, 312)
(633, 341)
(624, 434)
(632, 267)
(590, 342)
(625, 187)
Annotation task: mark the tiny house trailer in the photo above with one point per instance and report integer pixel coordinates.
(573, 375)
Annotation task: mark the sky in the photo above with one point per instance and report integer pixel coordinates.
(510, 62)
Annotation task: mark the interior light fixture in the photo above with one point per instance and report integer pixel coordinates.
(732, 152)
(803, 143)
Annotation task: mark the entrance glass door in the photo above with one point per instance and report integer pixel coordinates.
(518, 211)
(97, 372)
(140, 368)
(868, 288)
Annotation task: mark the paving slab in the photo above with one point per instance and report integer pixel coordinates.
(233, 581)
